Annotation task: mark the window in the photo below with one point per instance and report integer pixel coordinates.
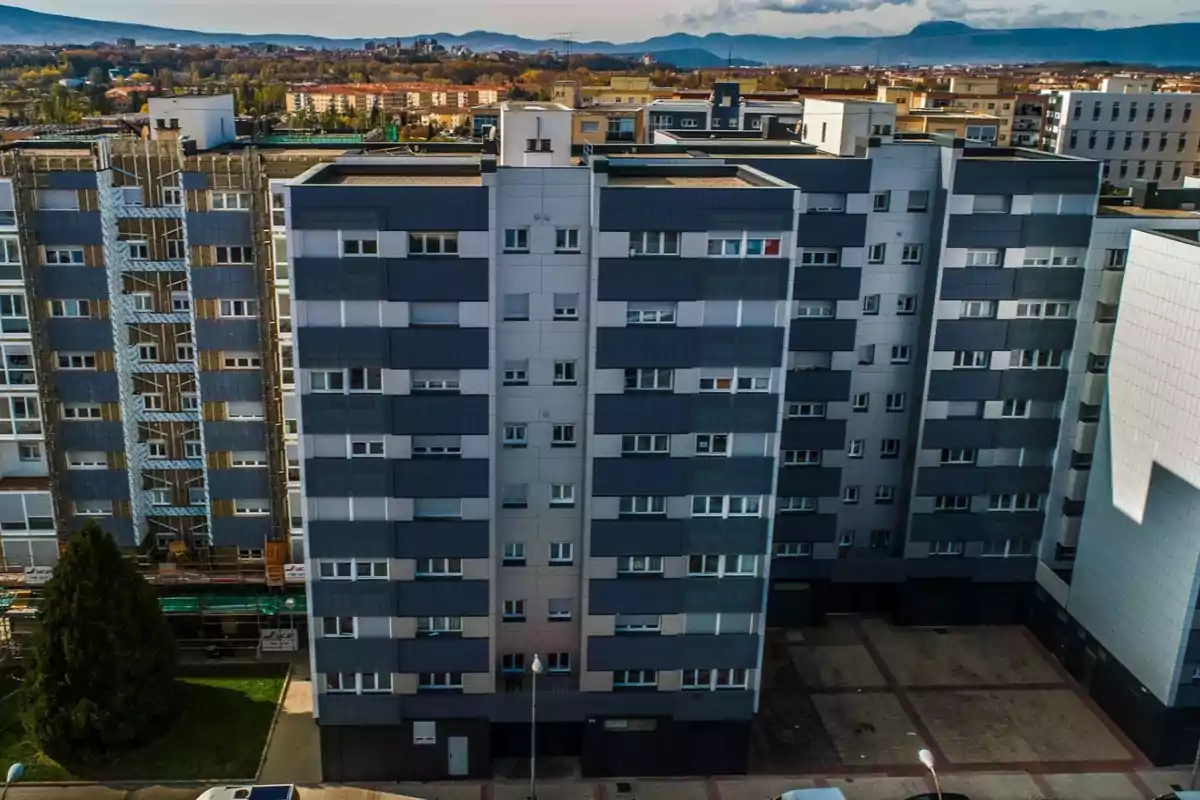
(29, 451)
(516, 373)
(147, 353)
(724, 248)
(564, 373)
(726, 506)
(432, 244)
(820, 258)
(645, 444)
(805, 410)
(58, 308)
(64, 256)
(796, 505)
(180, 302)
(566, 306)
(889, 448)
(881, 201)
(435, 381)
(643, 505)
(977, 309)
(241, 360)
(366, 448)
(81, 411)
(649, 379)
(876, 253)
(1036, 359)
(895, 401)
(1015, 502)
(945, 547)
(562, 495)
(248, 458)
(633, 678)
(360, 246)
(1044, 310)
(143, 301)
(901, 354)
(958, 455)
(712, 444)
(439, 681)
(971, 359)
(93, 508)
(1008, 548)
(229, 201)
(514, 495)
(152, 402)
(558, 610)
(906, 305)
(952, 503)
(713, 679)
(861, 401)
(514, 611)
(637, 623)
(10, 250)
(885, 495)
(175, 250)
(432, 315)
(801, 458)
(171, 196)
(793, 550)
(185, 353)
(639, 565)
(156, 449)
(512, 662)
(439, 567)
(911, 254)
(984, 258)
(252, 508)
(1015, 408)
(826, 203)
(77, 361)
(654, 243)
(514, 554)
(819, 309)
(337, 627)
(87, 459)
(516, 307)
(566, 240)
(918, 201)
(562, 553)
(238, 308)
(870, 304)
(234, 255)
(139, 249)
(515, 435)
(562, 435)
(855, 447)
(650, 314)
(558, 662)
(516, 240)
(1115, 258)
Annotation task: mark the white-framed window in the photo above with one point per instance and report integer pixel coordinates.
(93, 508)
(801, 458)
(645, 444)
(650, 314)
(87, 459)
(513, 611)
(885, 494)
(29, 451)
(514, 554)
(156, 449)
(649, 379)
(80, 411)
(562, 435)
(870, 304)
(733, 381)
(435, 381)
(793, 549)
(241, 360)
(744, 245)
(984, 258)
(170, 196)
(564, 373)
(337, 627)
(958, 455)
(436, 626)
(76, 361)
(713, 679)
(558, 609)
(516, 434)
(229, 201)
(1044, 310)
(516, 240)
(896, 401)
(901, 354)
(562, 553)
(820, 257)
(1014, 407)
(977, 309)
(889, 448)
(719, 566)
(180, 302)
(366, 447)
(558, 662)
(238, 308)
(918, 200)
(516, 373)
(639, 565)
(356, 246)
(860, 401)
(10, 250)
(160, 497)
(245, 459)
(972, 359)
(147, 353)
(566, 240)
(945, 547)
(855, 448)
(1008, 548)
(631, 678)
(814, 309)
(911, 254)
(724, 247)
(643, 505)
(713, 444)
(654, 243)
(562, 495)
(176, 250)
(796, 505)
(439, 567)
(189, 401)
(637, 623)
(906, 304)
(152, 401)
(349, 569)
(881, 201)
(70, 308)
(349, 380)
(566, 306)
(185, 353)
(726, 506)
(443, 243)
(359, 682)
(807, 409)
(512, 662)
(439, 681)
(234, 254)
(192, 449)
(139, 249)
(252, 507)
(1026, 501)
(1036, 359)
(877, 253)
(516, 307)
(952, 502)
(143, 301)
(64, 256)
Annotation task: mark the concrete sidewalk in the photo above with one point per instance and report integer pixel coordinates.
(294, 752)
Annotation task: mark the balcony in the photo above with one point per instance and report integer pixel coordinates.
(19, 428)
(1077, 483)
(1092, 391)
(1085, 437)
(1102, 338)
(1110, 286)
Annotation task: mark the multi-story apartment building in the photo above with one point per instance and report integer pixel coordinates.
(1136, 135)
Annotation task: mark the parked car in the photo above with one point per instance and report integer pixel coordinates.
(936, 796)
(824, 793)
(276, 792)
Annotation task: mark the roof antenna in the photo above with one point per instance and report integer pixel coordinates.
(729, 58)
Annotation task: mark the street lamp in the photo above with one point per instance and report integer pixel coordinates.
(926, 758)
(536, 669)
(14, 774)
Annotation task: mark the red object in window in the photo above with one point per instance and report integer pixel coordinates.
(771, 247)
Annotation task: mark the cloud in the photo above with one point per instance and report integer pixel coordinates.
(729, 11)
(1036, 15)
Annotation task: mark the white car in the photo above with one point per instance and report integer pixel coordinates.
(279, 792)
(824, 793)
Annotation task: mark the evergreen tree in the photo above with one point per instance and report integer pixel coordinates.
(101, 672)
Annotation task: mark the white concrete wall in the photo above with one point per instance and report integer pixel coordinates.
(207, 120)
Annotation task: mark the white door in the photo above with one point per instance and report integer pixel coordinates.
(457, 746)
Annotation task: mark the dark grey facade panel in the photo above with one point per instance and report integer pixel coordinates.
(438, 348)
(993, 283)
(1014, 480)
(195, 181)
(971, 334)
(1018, 230)
(809, 482)
(235, 436)
(348, 477)
(827, 283)
(935, 567)
(802, 569)
(831, 230)
(615, 477)
(666, 279)
(466, 477)
(676, 348)
(684, 651)
(822, 335)
(407, 279)
(974, 527)
(354, 599)
(112, 484)
(814, 384)
(674, 595)
(239, 385)
(813, 434)
(357, 655)
(420, 415)
(230, 484)
(982, 480)
(430, 539)
(983, 384)
(436, 654)
(805, 528)
(990, 433)
(58, 180)
(390, 208)
(1005, 570)
(358, 539)
(79, 334)
(226, 283)
(107, 436)
(219, 228)
(227, 334)
(86, 387)
(249, 532)
(121, 528)
(1040, 334)
(68, 227)
(655, 209)
(1033, 384)
(653, 412)
(869, 567)
(1048, 283)
(70, 283)
(817, 175)
(442, 597)
(631, 537)
(319, 348)
(1019, 176)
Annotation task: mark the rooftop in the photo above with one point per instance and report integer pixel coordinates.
(684, 181)
(393, 179)
(1137, 211)
(1192, 237)
(396, 171)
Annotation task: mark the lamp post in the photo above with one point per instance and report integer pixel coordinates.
(926, 758)
(14, 774)
(536, 669)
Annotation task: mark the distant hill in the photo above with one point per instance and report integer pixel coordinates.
(937, 42)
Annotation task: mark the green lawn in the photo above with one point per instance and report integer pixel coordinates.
(220, 733)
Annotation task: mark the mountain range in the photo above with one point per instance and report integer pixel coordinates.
(939, 42)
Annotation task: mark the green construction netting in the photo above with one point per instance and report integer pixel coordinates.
(233, 604)
(320, 138)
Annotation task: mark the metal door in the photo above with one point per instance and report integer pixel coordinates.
(459, 763)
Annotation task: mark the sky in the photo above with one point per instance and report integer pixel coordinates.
(614, 20)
